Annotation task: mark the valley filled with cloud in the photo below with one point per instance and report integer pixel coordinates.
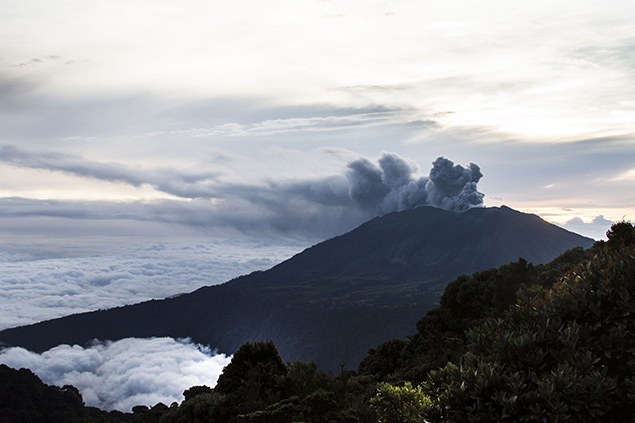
(120, 375)
(40, 285)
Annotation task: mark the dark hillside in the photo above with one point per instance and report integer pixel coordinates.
(333, 301)
(432, 242)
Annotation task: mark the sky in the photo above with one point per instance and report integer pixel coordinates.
(148, 148)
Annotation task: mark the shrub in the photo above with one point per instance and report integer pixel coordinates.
(400, 404)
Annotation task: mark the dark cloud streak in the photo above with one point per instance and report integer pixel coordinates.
(317, 207)
(184, 185)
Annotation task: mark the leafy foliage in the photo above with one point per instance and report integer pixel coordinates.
(564, 354)
(400, 404)
(620, 235)
(466, 303)
(201, 408)
(252, 380)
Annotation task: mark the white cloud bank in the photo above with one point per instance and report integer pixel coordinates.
(39, 284)
(596, 228)
(119, 375)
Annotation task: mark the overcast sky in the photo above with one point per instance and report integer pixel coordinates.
(141, 138)
(231, 115)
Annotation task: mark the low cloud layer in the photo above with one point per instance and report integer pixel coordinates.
(119, 375)
(596, 229)
(35, 285)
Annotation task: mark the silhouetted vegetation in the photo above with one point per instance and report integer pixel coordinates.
(563, 354)
(24, 398)
(551, 342)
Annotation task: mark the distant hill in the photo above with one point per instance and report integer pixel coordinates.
(335, 300)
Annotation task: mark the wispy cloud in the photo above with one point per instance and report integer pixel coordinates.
(315, 124)
(628, 176)
(181, 184)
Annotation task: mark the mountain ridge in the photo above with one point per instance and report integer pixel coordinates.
(335, 300)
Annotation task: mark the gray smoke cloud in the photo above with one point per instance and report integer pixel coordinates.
(394, 184)
(316, 207)
(453, 187)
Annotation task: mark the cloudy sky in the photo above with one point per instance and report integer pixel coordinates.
(139, 139)
(152, 117)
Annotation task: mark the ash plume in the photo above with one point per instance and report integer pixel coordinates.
(395, 184)
(453, 187)
(315, 207)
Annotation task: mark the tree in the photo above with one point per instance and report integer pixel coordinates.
(564, 354)
(204, 407)
(194, 391)
(621, 234)
(383, 360)
(252, 380)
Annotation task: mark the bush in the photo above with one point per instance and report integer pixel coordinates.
(400, 404)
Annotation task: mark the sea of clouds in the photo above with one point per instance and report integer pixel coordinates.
(42, 283)
(119, 375)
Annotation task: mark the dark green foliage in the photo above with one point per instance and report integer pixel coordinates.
(400, 404)
(140, 409)
(201, 408)
(196, 390)
(383, 360)
(259, 360)
(549, 274)
(144, 414)
(298, 392)
(252, 380)
(564, 354)
(467, 302)
(621, 235)
(25, 398)
(302, 379)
